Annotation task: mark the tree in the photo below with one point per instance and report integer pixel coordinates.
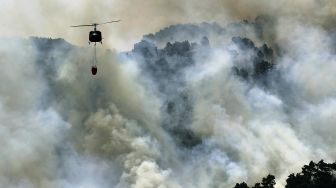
(257, 185)
(241, 185)
(268, 182)
(314, 175)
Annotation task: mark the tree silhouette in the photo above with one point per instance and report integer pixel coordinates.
(314, 175)
(241, 185)
(267, 182)
(257, 185)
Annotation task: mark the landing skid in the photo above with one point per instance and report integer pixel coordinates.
(95, 42)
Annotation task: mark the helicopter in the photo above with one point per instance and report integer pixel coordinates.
(94, 37)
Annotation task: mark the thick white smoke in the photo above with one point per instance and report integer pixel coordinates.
(61, 127)
(52, 133)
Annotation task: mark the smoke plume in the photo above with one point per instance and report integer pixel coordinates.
(220, 92)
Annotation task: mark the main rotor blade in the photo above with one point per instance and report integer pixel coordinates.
(82, 25)
(110, 22)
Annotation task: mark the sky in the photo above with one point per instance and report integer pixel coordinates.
(53, 18)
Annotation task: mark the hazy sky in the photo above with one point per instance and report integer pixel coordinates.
(53, 18)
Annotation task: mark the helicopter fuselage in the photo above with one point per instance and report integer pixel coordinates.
(95, 36)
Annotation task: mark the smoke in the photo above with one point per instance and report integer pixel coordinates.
(173, 117)
(52, 19)
(62, 128)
